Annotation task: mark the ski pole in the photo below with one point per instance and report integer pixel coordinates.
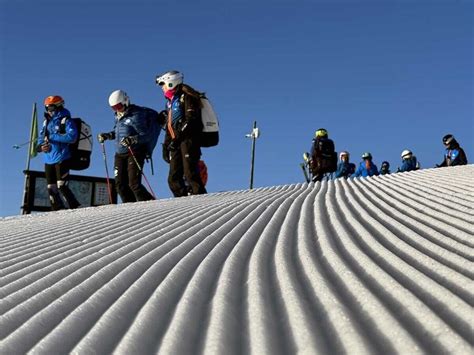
(107, 173)
(141, 171)
(18, 146)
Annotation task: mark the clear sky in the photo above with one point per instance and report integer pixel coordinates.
(380, 76)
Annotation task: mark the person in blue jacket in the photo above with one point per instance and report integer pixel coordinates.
(344, 168)
(366, 167)
(131, 134)
(454, 154)
(409, 161)
(57, 133)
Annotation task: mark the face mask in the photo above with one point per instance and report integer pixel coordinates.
(169, 94)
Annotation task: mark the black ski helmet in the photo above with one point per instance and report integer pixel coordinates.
(448, 139)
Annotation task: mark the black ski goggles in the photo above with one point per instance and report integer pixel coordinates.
(51, 108)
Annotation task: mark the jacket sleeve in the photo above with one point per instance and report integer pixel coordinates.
(192, 115)
(69, 136)
(41, 135)
(375, 170)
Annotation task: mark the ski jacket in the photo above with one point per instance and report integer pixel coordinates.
(409, 164)
(454, 156)
(345, 169)
(384, 171)
(133, 123)
(59, 131)
(183, 119)
(363, 171)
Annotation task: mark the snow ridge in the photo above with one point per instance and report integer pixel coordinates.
(371, 265)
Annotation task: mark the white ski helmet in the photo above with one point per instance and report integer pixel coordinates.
(406, 154)
(119, 100)
(344, 153)
(171, 79)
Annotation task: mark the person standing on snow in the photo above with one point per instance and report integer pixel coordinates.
(385, 168)
(366, 167)
(454, 154)
(181, 147)
(344, 168)
(409, 162)
(323, 155)
(57, 133)
(131, 135)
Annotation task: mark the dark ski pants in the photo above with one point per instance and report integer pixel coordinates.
(184, 164)
(128, 178)
(57, 176)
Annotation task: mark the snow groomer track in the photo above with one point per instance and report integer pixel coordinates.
(379, 265)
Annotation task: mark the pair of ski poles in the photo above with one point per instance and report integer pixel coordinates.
(137, 164)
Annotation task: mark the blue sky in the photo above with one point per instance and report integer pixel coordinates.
(380, 76)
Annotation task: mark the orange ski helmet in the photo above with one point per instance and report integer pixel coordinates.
(53, 102)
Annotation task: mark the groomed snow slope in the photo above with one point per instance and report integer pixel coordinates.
(378, 265)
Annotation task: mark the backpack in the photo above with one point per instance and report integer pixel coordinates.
(81, 149)
(155, 122)
(324, 156)
(209, 136)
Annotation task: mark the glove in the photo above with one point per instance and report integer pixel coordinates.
(102, 137)
(166, 154)
(45, 148)
(129, 141)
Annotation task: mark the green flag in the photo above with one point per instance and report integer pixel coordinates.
(34, 133)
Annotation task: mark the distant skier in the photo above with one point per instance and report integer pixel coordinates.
(409, 162)
(454, 154)
(58, 132)
(181, 147)
(385, 168)
(131, 132)
(323, 155)
(366, 167)
(344, 168)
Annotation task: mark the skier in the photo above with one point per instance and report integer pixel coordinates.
(344, 168)
(366, 167)
(409, 162)
(323, 155)
(131, 135)
(454, 154)
(385, 168)
(57, 133)
(181, 147)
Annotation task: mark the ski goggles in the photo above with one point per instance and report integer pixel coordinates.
(118, 107)
(51, 108)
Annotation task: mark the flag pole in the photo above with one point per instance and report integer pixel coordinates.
(25, 208)
(33, 135)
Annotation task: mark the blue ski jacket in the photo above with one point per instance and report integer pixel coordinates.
(133, 123)
(60, 131)
(363, 171)
(345, 169)
(408, 164)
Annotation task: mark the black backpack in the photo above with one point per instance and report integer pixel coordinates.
(324, 156)
(81, 149)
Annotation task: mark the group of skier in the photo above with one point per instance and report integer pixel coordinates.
(136, 132)
(322, 162)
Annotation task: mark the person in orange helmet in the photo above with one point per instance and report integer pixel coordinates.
(57, 133)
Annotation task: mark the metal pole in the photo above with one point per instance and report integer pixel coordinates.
(252, 166)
